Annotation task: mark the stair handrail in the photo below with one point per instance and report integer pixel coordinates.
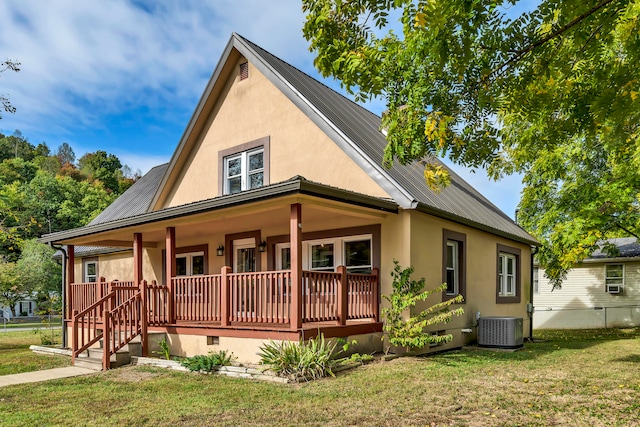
(75, 350)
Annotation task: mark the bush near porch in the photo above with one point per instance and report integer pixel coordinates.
(574, 378)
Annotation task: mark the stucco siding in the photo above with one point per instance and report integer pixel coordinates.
(252, 109)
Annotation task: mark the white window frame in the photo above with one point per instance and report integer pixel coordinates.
(248, 243)
(504, 261)
(338, 248)
(536, 280)
(245, 173)
(455, 268)
(608, 281)
(189, 262)
(87, 276)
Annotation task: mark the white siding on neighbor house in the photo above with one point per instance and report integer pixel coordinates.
(583, 302)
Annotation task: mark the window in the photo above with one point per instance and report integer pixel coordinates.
(453, 271)
(354, 252)
(453, 264)
(190, 264)
(90, 268)
(244, 171)
(614, 278)
(536, 289)
(244, 255)
(508, 275)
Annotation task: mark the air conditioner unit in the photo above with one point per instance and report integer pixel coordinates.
(500, 332)
(614, 289)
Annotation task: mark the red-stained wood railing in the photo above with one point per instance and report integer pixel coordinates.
(84, 325)
(320, 296)
(363, 300)
(123, 323)
(259, 297)
(198, 298)
(84, 295)
(157, 304)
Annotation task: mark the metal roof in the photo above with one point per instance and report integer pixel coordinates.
(361, 128)
(135, 200)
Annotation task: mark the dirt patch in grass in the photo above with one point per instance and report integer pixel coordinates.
(130, 374)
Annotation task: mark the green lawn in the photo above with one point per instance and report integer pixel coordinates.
(15, 356)
(575, 378)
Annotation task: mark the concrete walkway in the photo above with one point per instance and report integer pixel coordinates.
(48, 374)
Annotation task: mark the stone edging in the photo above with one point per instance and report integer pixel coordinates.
(50, 350)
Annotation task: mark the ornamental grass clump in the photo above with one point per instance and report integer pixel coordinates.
(208, 362)
(307, 359)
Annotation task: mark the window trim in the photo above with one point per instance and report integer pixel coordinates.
(516, 254)
(606, 277)
(536, 280)
(189, 265)
(85, 262)
(263, 142)
(461, 240)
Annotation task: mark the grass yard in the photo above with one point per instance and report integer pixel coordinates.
(15, 356)
(575, 378)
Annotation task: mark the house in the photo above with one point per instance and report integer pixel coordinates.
(274, 219)
(26, 307)
(603, 291)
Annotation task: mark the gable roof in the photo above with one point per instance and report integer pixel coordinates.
(357, 132)
(627, 247)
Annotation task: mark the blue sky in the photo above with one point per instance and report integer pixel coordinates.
(125, 75)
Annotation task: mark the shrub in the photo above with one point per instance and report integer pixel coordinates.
(406, 294)
(310, 359)
(207, 362)
(165, 350)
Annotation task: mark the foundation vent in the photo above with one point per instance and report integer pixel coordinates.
(500, 332)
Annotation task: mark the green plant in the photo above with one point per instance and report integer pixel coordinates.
(411, 331)
(309, 359)
(164, 346)
(207, 362)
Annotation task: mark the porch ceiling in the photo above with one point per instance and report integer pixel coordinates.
(273, 213)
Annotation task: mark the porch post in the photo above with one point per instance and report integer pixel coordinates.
(170, 263)
(137, 258)
(376, 290)
(295, 230)
(70, 279)
(343, 295)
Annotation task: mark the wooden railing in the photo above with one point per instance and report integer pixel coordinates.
(84, 295)
(261, 297)
(84, 325)
(157, 304)
(123, 323)
(197, 298)
(320, 294)
(363, 296)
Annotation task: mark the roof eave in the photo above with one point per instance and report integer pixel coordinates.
(422, 207)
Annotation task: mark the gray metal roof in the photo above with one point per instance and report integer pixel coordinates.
(626, 247)
(135, 200)
(360, 127)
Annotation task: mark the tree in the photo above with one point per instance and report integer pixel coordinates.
(10, 292)
(103, 167)
(37, 270)
(4, 101)
(65, 154)
(552, 93)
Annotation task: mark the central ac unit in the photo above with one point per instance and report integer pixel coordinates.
(500, 332)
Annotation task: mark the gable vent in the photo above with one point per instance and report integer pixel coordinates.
(244, 71)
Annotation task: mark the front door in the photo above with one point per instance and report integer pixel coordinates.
(244, 255)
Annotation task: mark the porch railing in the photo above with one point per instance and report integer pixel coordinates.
(243, 298)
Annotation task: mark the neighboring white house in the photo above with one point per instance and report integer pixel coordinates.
(601, 292)
(23, 308)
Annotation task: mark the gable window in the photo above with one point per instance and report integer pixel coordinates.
(90, 270)
(614, 278)
(508, 275)
(244, 171)
(244, 167)
(453, 264)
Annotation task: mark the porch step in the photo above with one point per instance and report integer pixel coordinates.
(92, 357)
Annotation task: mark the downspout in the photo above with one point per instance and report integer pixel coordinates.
(534, 251)
(63, 294)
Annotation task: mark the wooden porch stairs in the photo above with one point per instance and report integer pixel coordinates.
(92, 358)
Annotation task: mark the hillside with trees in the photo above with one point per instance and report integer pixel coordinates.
(44, 191)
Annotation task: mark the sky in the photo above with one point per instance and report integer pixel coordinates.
(125, 76)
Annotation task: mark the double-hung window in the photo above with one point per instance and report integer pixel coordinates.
(508, 275)
(90, 270)
(454, 264)
(244, 171)
(614, 278)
